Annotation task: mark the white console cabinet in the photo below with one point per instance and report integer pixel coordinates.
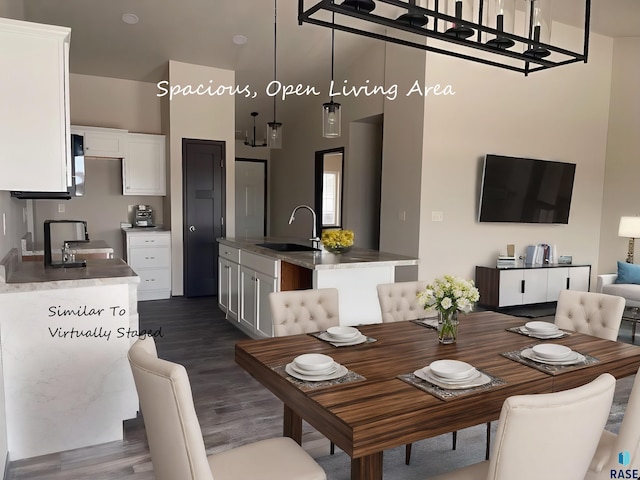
(259, 276)
(148, 253)
(34, 111)
(505, 287)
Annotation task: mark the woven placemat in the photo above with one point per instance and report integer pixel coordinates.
(305, 385)
(516, 355)
(317, 335)
(526, 334)
(446, 394)
(427, 322)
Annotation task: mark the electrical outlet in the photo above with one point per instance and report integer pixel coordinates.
(4, 223)
(437, 216)
(402, 215)
(61, 208)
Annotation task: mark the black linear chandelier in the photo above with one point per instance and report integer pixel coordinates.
(488, 32)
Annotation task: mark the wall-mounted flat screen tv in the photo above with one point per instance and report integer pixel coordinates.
(524, 190)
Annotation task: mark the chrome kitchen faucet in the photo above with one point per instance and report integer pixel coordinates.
(315, 240)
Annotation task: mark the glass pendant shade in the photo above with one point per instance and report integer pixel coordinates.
(274, 135)
(331, 119)
(538, 27)
(501, 16)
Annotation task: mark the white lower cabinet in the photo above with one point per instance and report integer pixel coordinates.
(149, 255)
(229, 281)
(259, 276)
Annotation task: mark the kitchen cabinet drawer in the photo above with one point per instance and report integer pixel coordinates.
(149, 240)
(261, 264)
(230, 253)
(149, 257)
(154, 279)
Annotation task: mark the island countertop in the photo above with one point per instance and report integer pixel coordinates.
(354, 258)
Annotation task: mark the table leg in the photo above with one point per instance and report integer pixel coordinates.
(292, 425)
(367, 468)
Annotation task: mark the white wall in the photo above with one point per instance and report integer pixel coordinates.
(204, 118)
(560, 114)
(621, 192)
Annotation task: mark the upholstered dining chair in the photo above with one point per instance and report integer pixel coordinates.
(304, 311)
(550, 436)
(175, 439)
(398, 302)
(597, 314)
(611, 445)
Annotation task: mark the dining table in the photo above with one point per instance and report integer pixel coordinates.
(380, 403)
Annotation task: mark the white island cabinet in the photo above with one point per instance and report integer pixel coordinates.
(34, 113)
(65, 337)
(355, 274)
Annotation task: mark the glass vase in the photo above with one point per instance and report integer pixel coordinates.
(337, 249)
(448, 326)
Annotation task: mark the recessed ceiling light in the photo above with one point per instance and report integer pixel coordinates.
(130, 18)
(239, 39)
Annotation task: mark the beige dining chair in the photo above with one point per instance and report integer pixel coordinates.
(398, 302)
(597, 314)
(304, 311)
(175, 439)
(611, 445)
(550, 436)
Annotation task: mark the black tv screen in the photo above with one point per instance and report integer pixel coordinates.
(524, 190)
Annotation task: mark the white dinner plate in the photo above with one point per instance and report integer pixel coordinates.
(451, 369)
(328, 371)
(574, 358)
(354, 341)
(343, 333)
(544, 328)
(552, 351)
(426, 375)
(340, 372)
(542, 336)
(313, 362)
(453, 381)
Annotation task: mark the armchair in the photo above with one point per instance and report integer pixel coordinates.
(629, 291)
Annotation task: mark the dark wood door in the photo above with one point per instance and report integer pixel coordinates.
(203, 190)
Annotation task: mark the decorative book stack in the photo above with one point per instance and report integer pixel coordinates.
(505, 261)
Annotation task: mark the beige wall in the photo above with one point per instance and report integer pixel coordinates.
(560, 114)
(204, 118)
(12, 9)
(621, 193)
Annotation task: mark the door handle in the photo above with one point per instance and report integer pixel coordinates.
(192, 228)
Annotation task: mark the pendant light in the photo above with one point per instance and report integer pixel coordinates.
(502, 18)
(331, 112)
(274, 129)
(253, 143)
(539, 27)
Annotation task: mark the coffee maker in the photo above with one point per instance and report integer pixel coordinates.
(143, 216)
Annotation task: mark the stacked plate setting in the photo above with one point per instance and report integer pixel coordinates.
(341, 336)
(542, 330)
(452, 374)
(315, 367)
(552, 354)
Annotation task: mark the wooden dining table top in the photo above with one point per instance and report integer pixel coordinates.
(381, 411)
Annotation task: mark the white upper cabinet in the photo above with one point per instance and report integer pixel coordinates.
(144, 165)
(34, 114)
(102, 142)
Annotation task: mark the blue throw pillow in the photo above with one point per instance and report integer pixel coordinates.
(628, 273)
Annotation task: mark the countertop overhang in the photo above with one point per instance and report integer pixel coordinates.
(354, 258)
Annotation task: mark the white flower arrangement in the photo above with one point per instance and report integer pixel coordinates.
(449, 294)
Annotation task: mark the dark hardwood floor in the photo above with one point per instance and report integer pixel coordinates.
(232, 407)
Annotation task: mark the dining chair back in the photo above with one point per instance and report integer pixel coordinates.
(398, 301)
(611, 445)
(303, 311)
(548, 435)
(596, 314)
(175, 438)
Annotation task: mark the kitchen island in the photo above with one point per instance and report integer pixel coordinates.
(65, 337)
(248, 272)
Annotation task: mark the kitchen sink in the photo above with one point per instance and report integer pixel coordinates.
(288, 247)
